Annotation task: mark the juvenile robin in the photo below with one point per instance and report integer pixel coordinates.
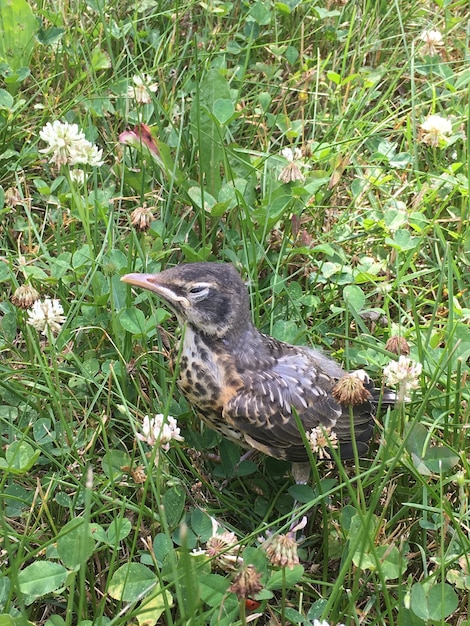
(248, 386)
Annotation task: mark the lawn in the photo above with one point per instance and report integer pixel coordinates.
(320, 147)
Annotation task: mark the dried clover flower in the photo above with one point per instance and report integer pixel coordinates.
(24, 297)
(398, 345)
(247, 583)
(142, 217)
(350, 389)
(291, 172)
(432, 41)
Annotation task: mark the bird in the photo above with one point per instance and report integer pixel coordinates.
(254, 389)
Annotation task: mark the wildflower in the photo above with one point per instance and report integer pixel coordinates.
(432, 41)
(142, 217)
(281, 550)
(139, 136)
(46, 316)
(247, 583)
(12, 197)
(25, 296)
(142, 88)
(435, 130)
(398, 345)
(138, 474)
(405, 373)
(68, 145)
(78, 176)
(291, 172)
(223, 548)
(316, 622)
(350, 389)
(320, 439)
(158, 431)
(91, 155)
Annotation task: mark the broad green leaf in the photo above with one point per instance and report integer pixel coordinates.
(458, 579)
(131, 582)
(152, 608)
(202, 200)
(55, 620)
(334, 77)
(173, 505)
(162, 546)
(118, 530)
(75, 544)
(258, 558)
(17, 29)
(41, 578)
(5, 586)
(361, 535)
(426, 458)
(402, 240)
(133, 320)
(100, 60)
(386, 559)
(294, 616)
(286, 330)
(50, 36)
(98, 532)
(6, 100)
(213, 589)
(354, 297)
(18, 620)
(43, 431)
(19, 458)
(302, 493)
(113, 462)
(261, 13)
(286, 577)
(223, 110)
(433, 601)
(201, 524)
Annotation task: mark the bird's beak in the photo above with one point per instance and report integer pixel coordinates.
(153, 283)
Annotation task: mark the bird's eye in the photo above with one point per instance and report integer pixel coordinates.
(198, 292)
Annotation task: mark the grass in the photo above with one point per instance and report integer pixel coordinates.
(372, 241)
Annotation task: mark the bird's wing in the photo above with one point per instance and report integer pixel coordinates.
(263, 409)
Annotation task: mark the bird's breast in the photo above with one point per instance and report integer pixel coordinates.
(208, 379)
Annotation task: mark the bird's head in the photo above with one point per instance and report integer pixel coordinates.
(210, 297)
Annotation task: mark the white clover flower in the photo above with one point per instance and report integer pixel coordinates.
(62, 138)
(158, 431)
(68, 145)
(142, 88)
(320, 438)
(316, 622)
(291, 172)
(46, 315)
(89, 154)
(78, 176)
(435, 130)
(405, 373)
(432, 41)
(291, 154)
